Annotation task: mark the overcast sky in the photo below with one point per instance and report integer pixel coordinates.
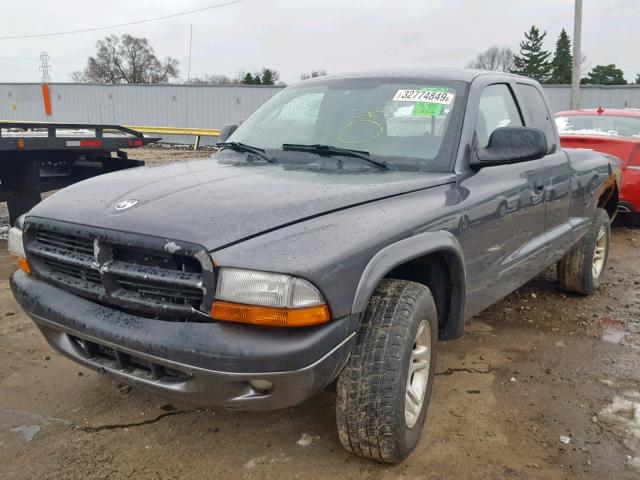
(296, 36)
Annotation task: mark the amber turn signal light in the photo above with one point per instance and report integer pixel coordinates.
(269, 316)
(24, 266)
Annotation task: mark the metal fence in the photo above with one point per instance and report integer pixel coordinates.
(205, 106)
(594, 96)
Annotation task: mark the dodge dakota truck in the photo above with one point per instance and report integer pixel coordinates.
(337, 235)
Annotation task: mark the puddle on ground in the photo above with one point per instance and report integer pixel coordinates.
(614, 331)
(27, 431)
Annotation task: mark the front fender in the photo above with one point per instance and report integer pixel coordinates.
(409, 249)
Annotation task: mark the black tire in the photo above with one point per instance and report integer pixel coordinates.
(502, 209)
(370, 405)
(575, 270)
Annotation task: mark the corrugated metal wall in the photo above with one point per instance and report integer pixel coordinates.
(594, 96)
(153, 105)
(204, 106)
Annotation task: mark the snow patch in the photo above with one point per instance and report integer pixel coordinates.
(624, 411)
(171, 247)
(205, 260)
(623, 414)
(254, 462)
(305, 440)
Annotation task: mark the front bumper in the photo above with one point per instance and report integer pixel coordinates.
(200, 363)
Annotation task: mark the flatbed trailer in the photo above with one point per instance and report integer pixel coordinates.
(38, 157)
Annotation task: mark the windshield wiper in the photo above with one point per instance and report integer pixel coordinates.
(242, 147)
(331, 150)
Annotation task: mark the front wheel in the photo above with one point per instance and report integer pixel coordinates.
(384, 390)
(581, 270)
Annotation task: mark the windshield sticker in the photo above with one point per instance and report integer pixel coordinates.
(427, 109)
(439, 95)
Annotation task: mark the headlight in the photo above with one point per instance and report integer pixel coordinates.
(16, 246)
(263, 298)
(14, 242)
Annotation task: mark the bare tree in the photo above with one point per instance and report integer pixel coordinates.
(494, 58)
(126, 59)
(212, 80)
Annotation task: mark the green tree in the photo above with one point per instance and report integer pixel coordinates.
(533, 61)
(638, 79)
(267, 77)
(248, 79)
(605, 75)
(561, 65)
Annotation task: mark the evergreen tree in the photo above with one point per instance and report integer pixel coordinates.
(248, 79)
(638, 79)
(605, 75)
(267, 77)
(533, 60)
(561, 64)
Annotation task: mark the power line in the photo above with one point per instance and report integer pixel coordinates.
(137, 22)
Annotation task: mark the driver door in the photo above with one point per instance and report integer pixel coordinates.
(503, 227)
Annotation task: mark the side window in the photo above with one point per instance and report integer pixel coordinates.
(537, 111)
(497, 109)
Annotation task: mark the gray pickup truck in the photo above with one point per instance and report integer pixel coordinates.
(343, 229)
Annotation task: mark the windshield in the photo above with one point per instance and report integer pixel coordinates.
(400, 121)
(603, 125)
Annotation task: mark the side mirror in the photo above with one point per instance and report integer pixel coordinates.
(226, 132)
(512, 145)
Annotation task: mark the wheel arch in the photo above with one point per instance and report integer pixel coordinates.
(609, 199)
(434, 259)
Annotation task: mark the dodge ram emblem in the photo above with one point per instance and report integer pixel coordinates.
(123, 205)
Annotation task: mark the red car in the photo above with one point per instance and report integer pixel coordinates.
(612, 131)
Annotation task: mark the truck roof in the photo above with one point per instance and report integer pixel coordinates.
(456, 74)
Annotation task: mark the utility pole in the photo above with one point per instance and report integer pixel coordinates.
(575, 71)
(45, 67)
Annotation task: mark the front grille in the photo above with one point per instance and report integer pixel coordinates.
(69, 243)
(131, 364)
(136, 276)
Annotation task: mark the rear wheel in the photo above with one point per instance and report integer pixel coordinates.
(581, 270)
(383, 393)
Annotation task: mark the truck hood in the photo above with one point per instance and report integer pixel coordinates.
(214, 204)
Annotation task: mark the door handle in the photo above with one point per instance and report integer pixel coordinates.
(538, 187)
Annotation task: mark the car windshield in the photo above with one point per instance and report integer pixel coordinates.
(397, 121)
(601, 125)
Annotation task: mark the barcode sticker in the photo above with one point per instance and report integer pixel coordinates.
(426, 95)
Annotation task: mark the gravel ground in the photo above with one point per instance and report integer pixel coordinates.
(542, 385)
